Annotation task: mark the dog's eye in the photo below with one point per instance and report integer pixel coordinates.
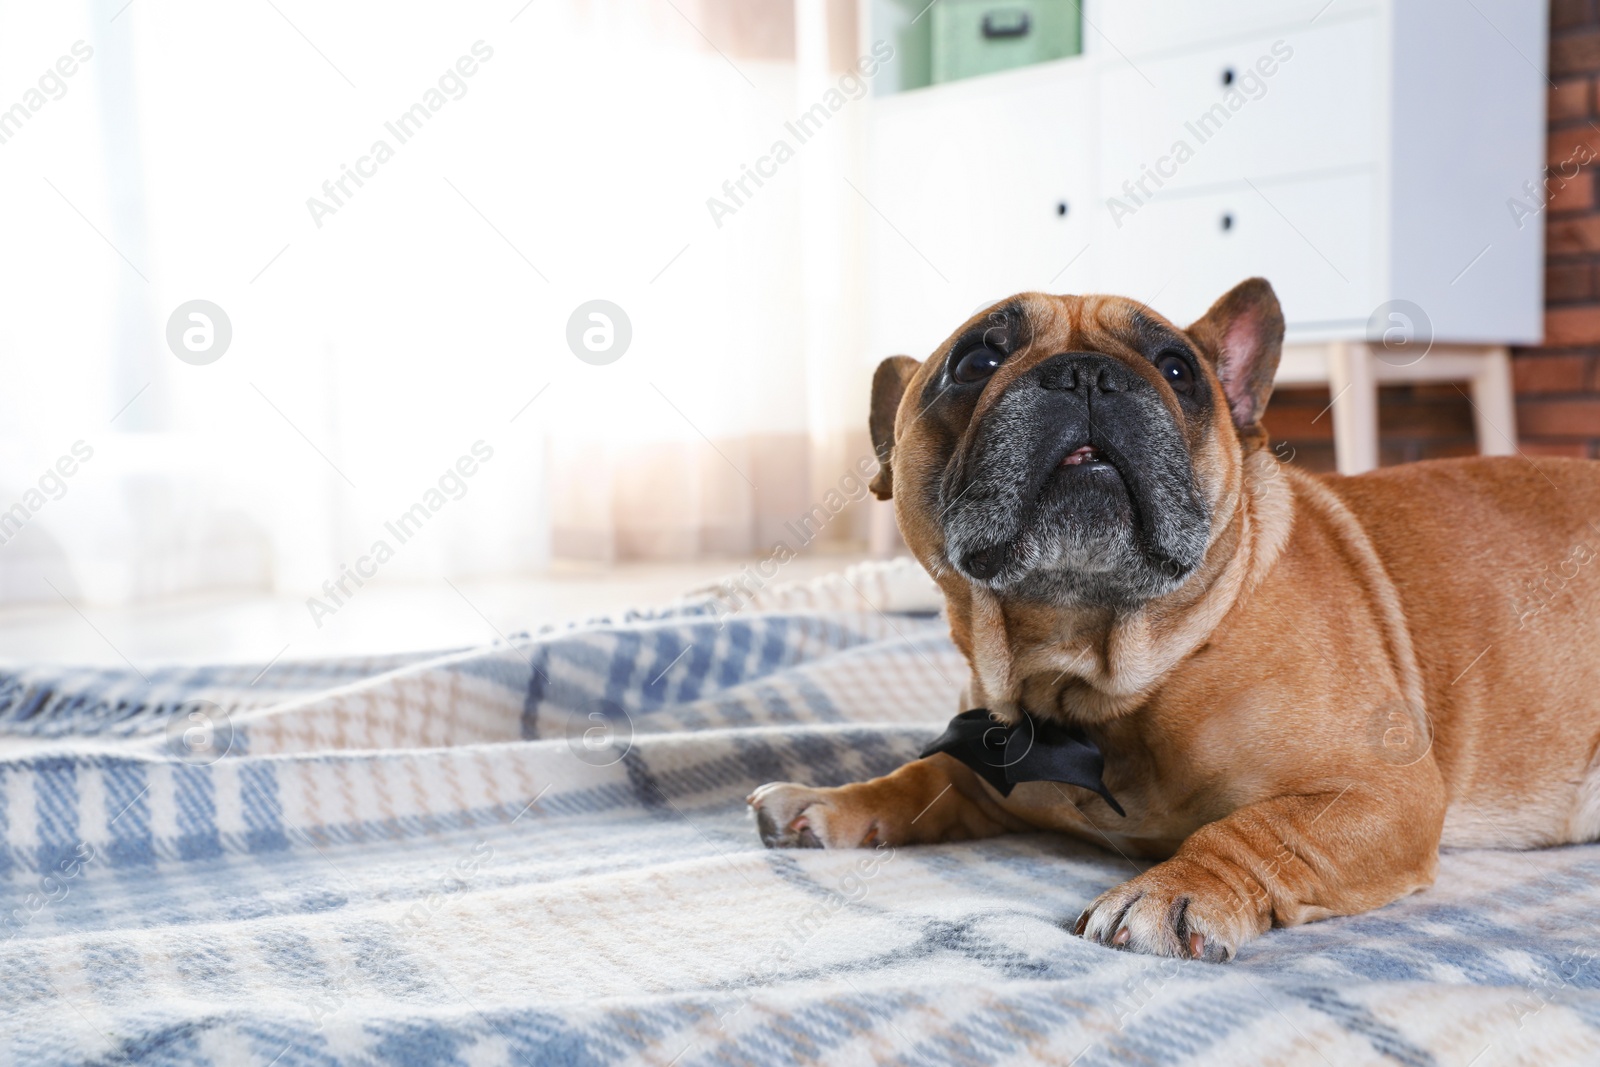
(1175, 369)
(976, 365)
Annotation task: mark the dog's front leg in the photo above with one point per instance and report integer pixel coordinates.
(1279, 862)
(924, 802)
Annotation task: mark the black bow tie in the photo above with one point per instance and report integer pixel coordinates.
(1030, 751)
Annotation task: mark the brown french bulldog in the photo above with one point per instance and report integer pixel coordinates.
(1300, 687)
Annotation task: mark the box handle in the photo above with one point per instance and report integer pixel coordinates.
(1002, 24)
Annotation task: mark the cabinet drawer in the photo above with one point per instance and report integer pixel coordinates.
(978, 190)
(1217, 115)
(1134, 27)
(1314, 240)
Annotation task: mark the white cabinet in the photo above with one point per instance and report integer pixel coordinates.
(1258, 108)
(975, 191)
(1311, 237)
(1143, 27)
(1360, 151)
(1353, 152)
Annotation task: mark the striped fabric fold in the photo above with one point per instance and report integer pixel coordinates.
(539, 853)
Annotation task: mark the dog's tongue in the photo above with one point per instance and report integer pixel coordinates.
(1085, 454)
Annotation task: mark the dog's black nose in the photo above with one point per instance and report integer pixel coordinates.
(985, 563)
(1071, 371)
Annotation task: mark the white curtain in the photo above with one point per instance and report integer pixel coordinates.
(399, 314)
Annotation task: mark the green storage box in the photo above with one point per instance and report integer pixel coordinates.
(983, 36)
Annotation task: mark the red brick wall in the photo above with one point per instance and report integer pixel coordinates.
(1414, 422)
(1558, 384)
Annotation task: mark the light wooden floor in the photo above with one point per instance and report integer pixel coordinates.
(257, 628)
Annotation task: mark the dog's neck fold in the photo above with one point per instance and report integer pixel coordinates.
(1094, 664)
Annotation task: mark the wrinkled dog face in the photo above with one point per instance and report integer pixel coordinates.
(1073, 477)
(1065, 449)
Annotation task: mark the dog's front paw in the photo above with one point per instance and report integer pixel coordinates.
(797, 816)
(1176, 908)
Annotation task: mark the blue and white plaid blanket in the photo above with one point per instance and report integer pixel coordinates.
(539, 853)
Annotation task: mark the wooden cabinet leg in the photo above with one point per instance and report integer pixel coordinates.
(1495, 405)
(1354, 388)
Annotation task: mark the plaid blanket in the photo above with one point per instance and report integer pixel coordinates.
(539, 853)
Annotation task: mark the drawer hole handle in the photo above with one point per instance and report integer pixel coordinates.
(998, 25)
(1227, 76)
(1061, 207)
(1227, 221)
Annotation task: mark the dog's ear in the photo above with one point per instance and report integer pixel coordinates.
(889, 383)
(1244, 331)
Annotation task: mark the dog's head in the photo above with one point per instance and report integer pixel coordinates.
(1076, 450)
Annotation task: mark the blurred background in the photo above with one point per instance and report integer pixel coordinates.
(381, 327)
